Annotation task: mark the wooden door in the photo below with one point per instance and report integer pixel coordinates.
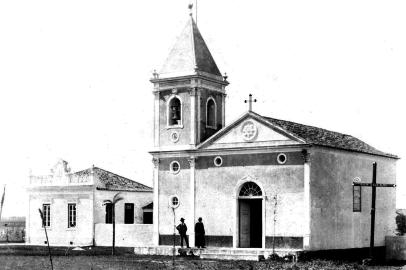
(245, 226)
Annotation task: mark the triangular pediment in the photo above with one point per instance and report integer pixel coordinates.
(251, 130)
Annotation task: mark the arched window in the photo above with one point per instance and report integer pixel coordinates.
(250, 189)
(211, 113)
(174, 112)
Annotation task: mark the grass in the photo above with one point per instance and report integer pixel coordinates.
(36, 257)
(122, 262)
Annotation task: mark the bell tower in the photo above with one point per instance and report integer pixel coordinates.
(189, 94)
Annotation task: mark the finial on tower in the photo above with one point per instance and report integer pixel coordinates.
(249, 101)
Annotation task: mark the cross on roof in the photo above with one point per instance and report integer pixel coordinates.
(249, 101)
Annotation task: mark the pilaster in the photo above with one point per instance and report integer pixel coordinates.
(192, 162)
(199, 116)
(192, 93)
(307, 206)
(155, 239)
(156, 119)
(223, 110)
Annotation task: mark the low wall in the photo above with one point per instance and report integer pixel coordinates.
(127, 235)
(395, 248)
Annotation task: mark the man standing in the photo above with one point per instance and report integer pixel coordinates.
(199, 232)
(182, 228)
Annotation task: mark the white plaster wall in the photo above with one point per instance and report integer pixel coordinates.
(216, 198)
(58, 233)
(174, 184)
(127, 235)
(139, 199)
(334, 225)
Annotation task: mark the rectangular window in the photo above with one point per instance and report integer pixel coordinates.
(46, 212)
(71, 215)
(109, 213)
(356, 193)
(128, 213)
(147, 217)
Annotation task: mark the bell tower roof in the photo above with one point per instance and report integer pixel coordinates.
(189, 55)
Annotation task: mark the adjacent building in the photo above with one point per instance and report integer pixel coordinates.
(75, 213)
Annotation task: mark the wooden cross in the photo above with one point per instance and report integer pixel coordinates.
(250, 102)
(374, 185)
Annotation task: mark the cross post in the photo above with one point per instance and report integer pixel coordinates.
(249, 101)
(374, 185)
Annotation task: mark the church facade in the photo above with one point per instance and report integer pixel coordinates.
(259, 182)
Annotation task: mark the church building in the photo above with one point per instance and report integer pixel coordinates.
(258, 182)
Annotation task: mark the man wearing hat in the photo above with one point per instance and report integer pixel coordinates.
(182, 228)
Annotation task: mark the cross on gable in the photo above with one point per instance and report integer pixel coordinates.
(249, 101)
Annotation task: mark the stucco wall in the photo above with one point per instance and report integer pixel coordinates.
(334, 225)
(216, 192)
(216, 197)
(127, 235)
(139, 199)
(174, 184)
(58, 233)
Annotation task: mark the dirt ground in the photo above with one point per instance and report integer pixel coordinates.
(154, 263)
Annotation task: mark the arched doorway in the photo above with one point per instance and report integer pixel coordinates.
(250, 216)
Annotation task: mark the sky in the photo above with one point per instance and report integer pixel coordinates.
(74, 76)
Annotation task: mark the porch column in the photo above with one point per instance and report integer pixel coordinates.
(155, 214)
(192, 162)
(307, 206)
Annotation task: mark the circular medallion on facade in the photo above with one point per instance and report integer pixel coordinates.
(249, 131)
(175, 136)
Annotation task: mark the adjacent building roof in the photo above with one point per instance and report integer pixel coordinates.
(114, 182)
(190, 54)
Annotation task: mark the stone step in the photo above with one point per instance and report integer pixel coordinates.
(215, 253)
(233, 251)
(243, 257)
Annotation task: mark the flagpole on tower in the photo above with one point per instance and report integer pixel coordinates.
(191, 9)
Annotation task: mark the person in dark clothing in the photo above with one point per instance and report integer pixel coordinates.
(199, 234)
(182, 229)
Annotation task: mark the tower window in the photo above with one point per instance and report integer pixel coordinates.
(174, 112)
(211, 113)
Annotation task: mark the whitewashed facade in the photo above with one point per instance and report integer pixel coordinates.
(74, 212)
